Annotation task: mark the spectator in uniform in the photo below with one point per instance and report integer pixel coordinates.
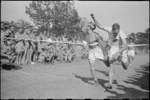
(19, 47)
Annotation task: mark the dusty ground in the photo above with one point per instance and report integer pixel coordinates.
(73, 80)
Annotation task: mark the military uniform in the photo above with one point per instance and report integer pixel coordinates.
(26, 48)
(43, 45)
(19, 48)
(70, 53)
(39, 49)
(42, 57)
(51, 52)
(58, 51)
(32, 48)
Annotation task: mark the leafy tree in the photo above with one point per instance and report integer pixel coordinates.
(133, 36)
(142, 38)
(23, 24)
(83, 24)
(57, 17)
(147, 33)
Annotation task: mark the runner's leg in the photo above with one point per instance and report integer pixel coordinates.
(125, 60)
(91, 62)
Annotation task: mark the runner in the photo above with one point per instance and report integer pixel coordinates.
(131, 51)
(118, 46)
(95, 51)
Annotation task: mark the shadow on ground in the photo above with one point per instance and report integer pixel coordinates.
(103, 72)
(135, 87)
(84, 79)
(138, 84)
(10, 67)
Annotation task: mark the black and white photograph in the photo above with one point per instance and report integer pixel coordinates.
(75, 49)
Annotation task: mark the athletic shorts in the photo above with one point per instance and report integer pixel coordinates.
(96, 53)
(124, 57)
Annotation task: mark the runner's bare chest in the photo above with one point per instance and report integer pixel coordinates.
(91, 38)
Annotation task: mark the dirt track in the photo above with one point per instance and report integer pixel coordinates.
(73, 80)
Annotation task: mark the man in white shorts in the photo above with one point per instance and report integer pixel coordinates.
(95, 48)
(118, 47)
(131, 49)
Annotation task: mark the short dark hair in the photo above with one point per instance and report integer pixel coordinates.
(115, 26)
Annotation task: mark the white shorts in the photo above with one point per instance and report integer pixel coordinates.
(123, 56)
(96, 53)
(131, 53)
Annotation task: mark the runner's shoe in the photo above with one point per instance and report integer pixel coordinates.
(96, 82)
(108, 85)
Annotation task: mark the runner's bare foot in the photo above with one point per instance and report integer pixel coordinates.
(108, 85)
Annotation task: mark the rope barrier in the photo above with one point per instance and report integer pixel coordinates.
(47, 41)
(136, 45)
(50, 41)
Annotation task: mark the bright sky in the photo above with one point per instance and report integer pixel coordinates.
(133, 16)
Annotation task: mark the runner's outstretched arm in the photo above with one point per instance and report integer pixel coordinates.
(98, 24)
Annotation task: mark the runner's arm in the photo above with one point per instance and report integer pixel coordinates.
(107, 29)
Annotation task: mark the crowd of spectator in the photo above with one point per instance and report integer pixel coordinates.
(23, 45)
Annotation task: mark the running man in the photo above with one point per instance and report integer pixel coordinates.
(95, 50)
(131, 49)
(118, 46)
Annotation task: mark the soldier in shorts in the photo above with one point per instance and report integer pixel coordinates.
(118, 47)
(95, 51)
(131, 50)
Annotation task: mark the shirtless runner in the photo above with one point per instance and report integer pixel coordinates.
(95, 50)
